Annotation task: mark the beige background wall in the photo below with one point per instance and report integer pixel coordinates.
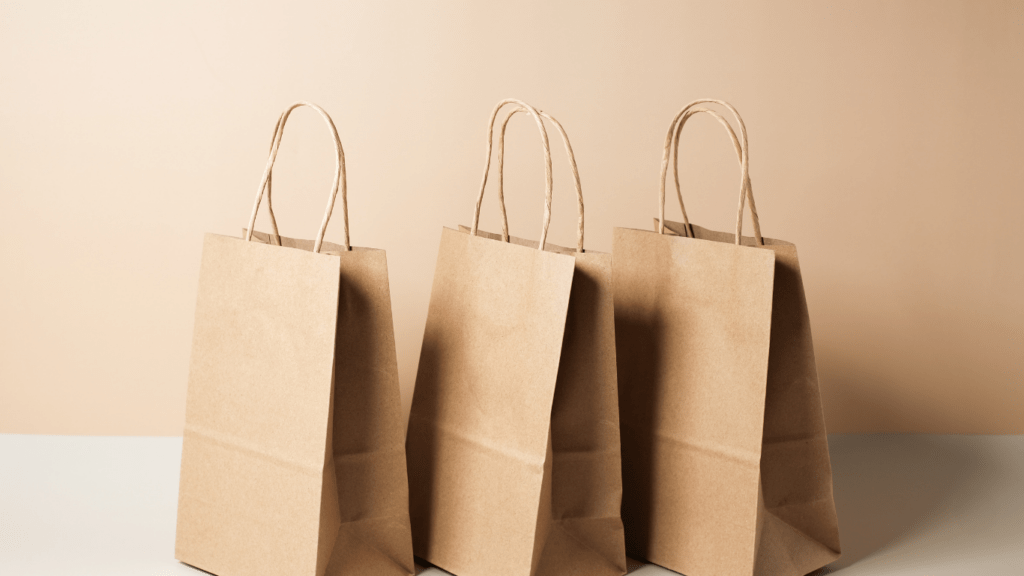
(886, 141)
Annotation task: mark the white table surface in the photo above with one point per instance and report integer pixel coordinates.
(908, 505)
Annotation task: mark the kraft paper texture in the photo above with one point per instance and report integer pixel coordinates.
(293, 456)
(513, 442)
(725, 458)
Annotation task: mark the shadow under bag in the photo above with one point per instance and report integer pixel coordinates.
(725, 457)
(513, 443)
(293, 460)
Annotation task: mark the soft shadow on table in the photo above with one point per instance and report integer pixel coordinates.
(916, 503)
(422, 566)
(906, 496)
(197, 570)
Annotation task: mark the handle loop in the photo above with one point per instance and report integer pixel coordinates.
(340, 180)
(736, 145)
(572, 164)
(547, 169)
(741, 146)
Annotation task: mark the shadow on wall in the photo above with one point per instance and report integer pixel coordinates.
(856, 399)
(907, 500)
(952, 372)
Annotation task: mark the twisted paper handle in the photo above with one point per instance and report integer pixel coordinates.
(741, 146)
(340, 181)
(547, 169)
(572, 164)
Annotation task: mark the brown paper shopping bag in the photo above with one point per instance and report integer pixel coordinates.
(725, 458)
(513, 441)
(293, 455)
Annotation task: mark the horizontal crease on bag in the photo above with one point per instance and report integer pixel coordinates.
(731, 454)
(238, 443)
(534, 463)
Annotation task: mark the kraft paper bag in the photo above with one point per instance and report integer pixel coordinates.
(725, 458)
(293, 455)
(513, 442)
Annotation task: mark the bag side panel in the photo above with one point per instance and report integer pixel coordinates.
(544, 521)
(368, 437)
(795, 468)
(587, 470)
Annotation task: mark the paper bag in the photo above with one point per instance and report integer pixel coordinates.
(513, 442)
(293, 456)
(725, 458)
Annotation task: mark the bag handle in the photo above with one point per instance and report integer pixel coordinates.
(340, 181)
(688, 228)
(547, 168)
(572, 164)
(741, 146)
(270, 177)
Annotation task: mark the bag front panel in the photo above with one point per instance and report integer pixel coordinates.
(480, 419)
(584, 535)
(369, 482)
(693, 329)
(256, 420)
